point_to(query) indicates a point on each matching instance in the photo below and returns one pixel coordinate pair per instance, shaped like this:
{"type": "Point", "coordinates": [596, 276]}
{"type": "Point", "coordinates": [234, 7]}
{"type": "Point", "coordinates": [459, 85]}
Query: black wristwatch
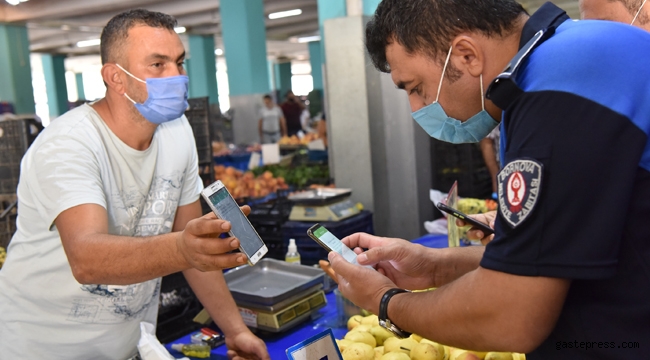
{"type": "Point", "coordinates": [383, 314]}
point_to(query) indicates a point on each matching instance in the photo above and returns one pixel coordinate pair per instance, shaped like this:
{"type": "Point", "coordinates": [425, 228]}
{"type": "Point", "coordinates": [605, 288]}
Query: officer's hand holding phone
{"type": "Point", "coordinates": [408, 265]}
{"type": "Point", "coordinates": [203, 249]}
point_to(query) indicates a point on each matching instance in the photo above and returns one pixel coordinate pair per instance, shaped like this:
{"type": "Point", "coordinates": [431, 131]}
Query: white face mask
{"type": "Point", "coordinates": [638, 12]}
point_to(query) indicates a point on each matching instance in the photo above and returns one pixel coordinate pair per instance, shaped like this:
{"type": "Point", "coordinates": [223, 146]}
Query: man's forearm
{"type": "Point", "coordinates": [212, 291]}
{"type": "Point", "coordinates": [456, 262]}
{"type": "Point", "coordinates": [122, 260]}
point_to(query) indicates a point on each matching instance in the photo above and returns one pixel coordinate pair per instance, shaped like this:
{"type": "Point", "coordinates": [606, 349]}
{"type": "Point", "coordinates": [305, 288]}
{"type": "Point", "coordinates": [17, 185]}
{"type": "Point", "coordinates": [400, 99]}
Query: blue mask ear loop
{"type": "Point", "coordinates": [638, 12]}
{"type": "Point", "coordinates": [133, 76]}
{"type": "Point", "coordinates": [444, 69]}
{"type": "Point", "coordinates": [442, 77]}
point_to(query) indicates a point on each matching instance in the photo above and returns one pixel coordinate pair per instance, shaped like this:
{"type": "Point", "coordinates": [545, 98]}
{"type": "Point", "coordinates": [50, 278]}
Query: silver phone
{"type": "Point", "coordinates": [226, 208]}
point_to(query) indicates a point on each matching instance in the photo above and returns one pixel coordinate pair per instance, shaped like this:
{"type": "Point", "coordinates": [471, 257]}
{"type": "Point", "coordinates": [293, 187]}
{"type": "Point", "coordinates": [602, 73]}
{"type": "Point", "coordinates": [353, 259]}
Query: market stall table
{"type": "Point", "coordinates": [326, 318]}
{"type": "Point", "coordinates": [277, 343]}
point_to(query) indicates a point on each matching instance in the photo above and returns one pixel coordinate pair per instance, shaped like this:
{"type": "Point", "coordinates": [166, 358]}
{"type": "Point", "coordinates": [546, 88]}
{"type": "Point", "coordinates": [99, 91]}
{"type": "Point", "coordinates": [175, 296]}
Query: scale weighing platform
{"type": "Point", "coordinates": [322, 205]}
{"type": "Point", "coordinates": [275, 296]}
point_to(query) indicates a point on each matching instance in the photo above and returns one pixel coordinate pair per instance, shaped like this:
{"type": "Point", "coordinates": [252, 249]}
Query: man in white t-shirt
{"type": "Point", "coordinates": [272, 124]}
{"type": "Point", "coordinates": [108, 200]}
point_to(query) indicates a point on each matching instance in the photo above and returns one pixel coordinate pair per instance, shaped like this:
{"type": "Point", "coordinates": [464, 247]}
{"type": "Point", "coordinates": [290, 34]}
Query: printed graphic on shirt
{"type": "Point", "coordinates": [519, 186]}
{"type": "Point", "coordinates": [136, 215]}
{"type": "Point", "coordinates": [114, 304]}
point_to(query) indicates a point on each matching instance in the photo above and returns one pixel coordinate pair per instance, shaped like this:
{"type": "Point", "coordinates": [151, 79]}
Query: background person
{"type": "Point", "coordinates": [292, 107]}
{"type": "Point", "coordinates": [109, 203]}
{"type": "Point", "coordinates": [272, 125]}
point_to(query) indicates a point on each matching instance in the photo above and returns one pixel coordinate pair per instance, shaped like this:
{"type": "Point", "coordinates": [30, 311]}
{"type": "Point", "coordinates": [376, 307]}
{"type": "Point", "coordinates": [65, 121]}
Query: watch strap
{"type": "Point", "coordinates": [383, 313]}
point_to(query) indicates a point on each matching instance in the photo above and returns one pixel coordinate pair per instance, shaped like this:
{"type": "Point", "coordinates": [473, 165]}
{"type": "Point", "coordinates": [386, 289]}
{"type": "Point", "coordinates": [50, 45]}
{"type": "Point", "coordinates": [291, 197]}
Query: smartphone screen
{"type": "Point", "coordinates": [241, 228]}
{"type": "Point", "coordinates": [332, 243]}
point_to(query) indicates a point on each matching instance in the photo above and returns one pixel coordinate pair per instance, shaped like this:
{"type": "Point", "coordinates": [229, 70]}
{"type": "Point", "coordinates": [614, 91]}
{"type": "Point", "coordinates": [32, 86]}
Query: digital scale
{"type": "Point", "coordinates": [273, 295]}
{"type": "Point", "coordinates": [284, 315]}
{"type": "Point", "coordinates": [325, 204]}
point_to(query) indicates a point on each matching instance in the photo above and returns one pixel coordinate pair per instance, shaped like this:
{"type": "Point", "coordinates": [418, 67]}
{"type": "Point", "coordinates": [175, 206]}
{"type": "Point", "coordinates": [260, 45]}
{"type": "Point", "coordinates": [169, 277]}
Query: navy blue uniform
{"type": "Point", "coordinates": [574, 191]}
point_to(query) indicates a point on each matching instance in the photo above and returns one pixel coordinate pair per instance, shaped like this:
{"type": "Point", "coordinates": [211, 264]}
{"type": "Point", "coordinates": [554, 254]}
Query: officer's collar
{"type": "Point", "coordinates": [545, 17]}
{"type": "Point", "coordinates": [504, 90]}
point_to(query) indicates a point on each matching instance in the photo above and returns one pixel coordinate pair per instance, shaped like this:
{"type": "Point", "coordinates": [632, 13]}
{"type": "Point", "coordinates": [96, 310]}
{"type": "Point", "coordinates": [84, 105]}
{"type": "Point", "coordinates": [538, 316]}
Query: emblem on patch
{"type": "Point", "coordinates": [519, 186]}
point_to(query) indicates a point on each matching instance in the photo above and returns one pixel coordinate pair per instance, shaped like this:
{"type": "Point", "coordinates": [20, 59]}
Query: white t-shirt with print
{"type": "Point", "coordinates": [44, 312]}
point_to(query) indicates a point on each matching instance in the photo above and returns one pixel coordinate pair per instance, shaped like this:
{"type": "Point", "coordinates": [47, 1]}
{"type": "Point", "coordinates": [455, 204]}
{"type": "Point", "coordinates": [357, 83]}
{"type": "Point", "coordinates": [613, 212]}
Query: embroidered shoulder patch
{"type": "Point", "coordinates": [519, 186]}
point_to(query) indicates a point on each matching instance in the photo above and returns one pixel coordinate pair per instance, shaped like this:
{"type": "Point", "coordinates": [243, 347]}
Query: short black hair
{"type": "Point", "coordinates": [429, 26]}
{"type": "Point", "coordinates": [117, 29]}
{"type": "Point", "coordinates": [268, 97]}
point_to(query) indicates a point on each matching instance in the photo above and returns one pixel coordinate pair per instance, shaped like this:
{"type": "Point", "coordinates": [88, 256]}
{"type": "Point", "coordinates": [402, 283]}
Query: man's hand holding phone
{"type": "Point", "coordinates": [477, 234]}
{"type": "Point", "coordinates": [203, 248]}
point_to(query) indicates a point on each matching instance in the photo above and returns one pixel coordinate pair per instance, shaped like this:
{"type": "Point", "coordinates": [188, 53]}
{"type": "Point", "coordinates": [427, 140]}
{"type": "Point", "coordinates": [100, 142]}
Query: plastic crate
{"type": "Point", "coordinates": [310, 251]}
{"type": "Point", "coordinates": [16, 135]}
{"type": "Point", "coordinates": [463, 163]}
{"type": "Point", "coordinates": [198, 116]}
{"type": "Point", "coordinates": [318, 156]}
{"type": "Point", "coordinates": [7, 219]}
{"type": "Point", "coordinates": [238, 161]}
{"type": "Point", "coordinates": [267, 219]}
{"type": "Point", "coordinates": [177, 308]}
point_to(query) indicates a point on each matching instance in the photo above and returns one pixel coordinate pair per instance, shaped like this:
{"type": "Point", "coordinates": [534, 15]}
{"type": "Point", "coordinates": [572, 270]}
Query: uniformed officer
{"type": "Point", "coordinates": [568, 273]}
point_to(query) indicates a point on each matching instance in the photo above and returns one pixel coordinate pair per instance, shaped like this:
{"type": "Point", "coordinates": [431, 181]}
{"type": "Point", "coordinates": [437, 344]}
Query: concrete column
{"type": "Point", "coordinates": [15, 69]}
{"type": "Point", "coordinates": [271, 69]}
{"type": "Point", "coordinates": [79, 80]}
{"type": "Point", "coordinates": [244, 38]}
{"type": "Point", "coordinates": [376, 147]}
{"type": "Point", "coordinates": [283, 77]}
{"type": "Point", "coordinates": [369, 7]}
{"type": "Point", "coordinates": [329, 9]}
{"type": "Point", "coordinates": [57, 90]}
{"type": "Point", "coordinates": [315, 59]}
{"type": "Point", "coordinates": [202, 68]}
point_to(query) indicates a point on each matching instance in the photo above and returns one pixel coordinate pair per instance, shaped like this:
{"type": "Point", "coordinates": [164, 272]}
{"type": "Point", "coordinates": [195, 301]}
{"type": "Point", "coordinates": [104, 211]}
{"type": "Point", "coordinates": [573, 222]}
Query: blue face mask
{"type": "Point", "coordinates": [437, 124]}
{"type": "Point", "coordinates": [167, 98]}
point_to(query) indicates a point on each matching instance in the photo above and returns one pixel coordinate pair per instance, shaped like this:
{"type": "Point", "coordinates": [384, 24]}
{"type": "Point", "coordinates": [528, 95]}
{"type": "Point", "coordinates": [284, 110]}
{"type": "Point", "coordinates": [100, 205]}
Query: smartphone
{"type": "Point", "coordinates": [469, 220]}
{"type": "Point", "coordinates": [226, 208]}
{"type": "Point", "coordinates": [331, 243]}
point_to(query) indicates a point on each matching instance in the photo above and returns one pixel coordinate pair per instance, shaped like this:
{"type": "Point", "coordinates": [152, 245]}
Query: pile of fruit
{"type": "Point", "coordinates": [297, 176]}
{"type": "Point", "coordinates": [366, 340]}
{"type": "Point", "coordinates": [294, 140]}
{"type": "Point", "coordinates": [241, 184]}
{"type": "Point", "coordinates": [3, 256]}
{"type": "Point", "coordinates": [220, 148]}
{"type": "Point", "coordinates": [476, 206]}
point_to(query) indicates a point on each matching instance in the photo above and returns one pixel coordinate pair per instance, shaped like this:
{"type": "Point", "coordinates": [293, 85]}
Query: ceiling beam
{"type": "Point", "coordinates": [59, 9]}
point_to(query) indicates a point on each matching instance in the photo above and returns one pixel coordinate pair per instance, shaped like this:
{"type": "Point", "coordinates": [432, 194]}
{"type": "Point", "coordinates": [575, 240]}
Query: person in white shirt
{"type": "Point", "coordinates": [108, 204]}
{"type": "Point", "coordinates": [272, 124]}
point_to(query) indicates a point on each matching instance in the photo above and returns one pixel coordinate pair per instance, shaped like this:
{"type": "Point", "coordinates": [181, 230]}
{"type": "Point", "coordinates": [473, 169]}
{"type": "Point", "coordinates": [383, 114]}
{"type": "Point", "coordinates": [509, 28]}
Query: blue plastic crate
{"type": "Point", "coordinates": [310, 251]}
{"type": "Point", "coordinates": [239, 161]}
{"type": "Point", "coordinates": [319, 156]}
